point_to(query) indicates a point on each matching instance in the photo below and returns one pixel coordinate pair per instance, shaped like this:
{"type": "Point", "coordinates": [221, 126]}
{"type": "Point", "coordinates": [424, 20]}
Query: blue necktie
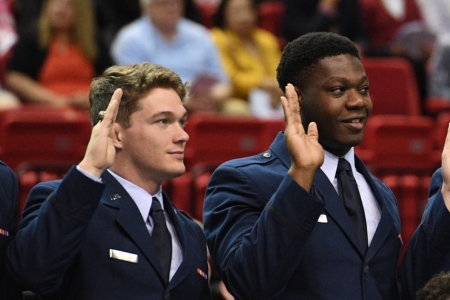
{"type": "Point", "coordinates": [349, 193]}
{"type": "Point", "coordinates": [161, 238]}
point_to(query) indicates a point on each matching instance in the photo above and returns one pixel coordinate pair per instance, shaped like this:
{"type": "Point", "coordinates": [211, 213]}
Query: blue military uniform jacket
{"type": "Point", "coordinates": [69, 230]}
{"type": "Point", "coordinates": [271, 239]}
{"type": "Point", "coordinates": [9, 197]}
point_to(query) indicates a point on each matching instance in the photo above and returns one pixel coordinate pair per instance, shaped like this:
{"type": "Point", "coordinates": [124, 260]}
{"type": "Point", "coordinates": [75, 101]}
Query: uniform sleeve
{"type": "Point", "coordinates": [257, 245]}
{"type": "Point", "coordinates": [52, 231]}
{"type": "Point", "coordinates": [428, 251]}
{"type": "Point", "coordinates": [9, 194]}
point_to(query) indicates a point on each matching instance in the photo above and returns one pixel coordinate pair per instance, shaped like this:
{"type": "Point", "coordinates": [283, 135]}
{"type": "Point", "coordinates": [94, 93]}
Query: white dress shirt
{"type": "Point", "coordinates": [371, 208]}
{"type": "Point", "coordinates": [143, 201]}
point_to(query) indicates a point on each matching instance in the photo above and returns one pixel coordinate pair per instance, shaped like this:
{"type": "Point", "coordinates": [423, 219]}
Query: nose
{"type": "Point", "coordinates": [181, 135]}
{"type": "Point", "coordinates": [356, 100]}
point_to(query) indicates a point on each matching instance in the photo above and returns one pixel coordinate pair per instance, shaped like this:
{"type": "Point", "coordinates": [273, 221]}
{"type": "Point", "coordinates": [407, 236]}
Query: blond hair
{"type": "Point", "coordinates": [136, 81]}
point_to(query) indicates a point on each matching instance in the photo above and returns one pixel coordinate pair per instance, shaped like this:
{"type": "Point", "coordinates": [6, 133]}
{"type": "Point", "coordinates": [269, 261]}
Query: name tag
{"type": "Point", "coordinates": [125, 256]}
{"type": "Point", "coordinates": [322, 219]}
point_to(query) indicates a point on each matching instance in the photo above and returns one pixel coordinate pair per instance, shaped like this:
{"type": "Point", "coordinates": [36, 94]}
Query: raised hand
{"type": "Point", "coordinates": [100, 152]}
{"type": "Point", "coordinates": [446, 170]}
{"type": "Point", "coordinates": [306, 152]}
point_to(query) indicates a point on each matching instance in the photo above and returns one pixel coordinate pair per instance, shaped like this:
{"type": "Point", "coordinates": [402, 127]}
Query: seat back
{"type": "Point", "coordinates": [270, 15]}
{"type": "Point", "coordinates": [398, 143]}
{"type": "Point", "coordinates": [393, 87]}
{"type": "Point", "coordinates": [215, 138]}
{"type": "Point", "coordinates": [43, 135]}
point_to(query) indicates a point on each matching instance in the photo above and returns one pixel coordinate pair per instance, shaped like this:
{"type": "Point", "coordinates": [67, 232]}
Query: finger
{"type": "Point", "coordinates": [446, 151]}
{"type": "Point", "coordinates": [288, 105]}
{"type": "Point", "coordinates": [286, 110]}
{"type": "Point", "coordinates": [292, 97]}
{"type": "Point", "coordinates": [113, 107]}
{"type": "Point", "coordinates": [447, 139]}
{"type": "Point", "coordinates": [313, 133]}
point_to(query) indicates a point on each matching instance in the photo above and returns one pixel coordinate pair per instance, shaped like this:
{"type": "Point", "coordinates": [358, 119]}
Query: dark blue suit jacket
{"type": "Point", "coordinates": [9, 197]}
{"type": "Point", "coordinates": [62, 250]}
{"type": "Point", "coordinates": [430, 240]}
{"type": "Point", "coordinates": [267, 241]}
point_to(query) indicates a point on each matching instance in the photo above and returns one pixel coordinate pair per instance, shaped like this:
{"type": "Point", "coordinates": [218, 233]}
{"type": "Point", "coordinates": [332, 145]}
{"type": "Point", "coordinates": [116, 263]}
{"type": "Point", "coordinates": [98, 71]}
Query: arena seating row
{"type": "Point", "coordinates": [401, 146]}
{"type": "Point", "coordinates": [40, 144]}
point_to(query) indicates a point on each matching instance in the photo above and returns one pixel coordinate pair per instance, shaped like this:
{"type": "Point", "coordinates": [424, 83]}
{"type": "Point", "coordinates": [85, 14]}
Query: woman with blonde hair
{"type": "Point", "coordinates": [54, 64]}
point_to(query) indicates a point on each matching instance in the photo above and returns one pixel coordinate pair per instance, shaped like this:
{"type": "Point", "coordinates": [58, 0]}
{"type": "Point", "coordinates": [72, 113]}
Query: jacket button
{"type": "Point", "coordinates": [167, 296]}
{"type": "Point", "coordinates": [366, 269]}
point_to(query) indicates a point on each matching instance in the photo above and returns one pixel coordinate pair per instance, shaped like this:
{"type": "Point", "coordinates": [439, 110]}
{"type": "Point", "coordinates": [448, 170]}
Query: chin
{"type": "Point", "coordinates": [178, 172]}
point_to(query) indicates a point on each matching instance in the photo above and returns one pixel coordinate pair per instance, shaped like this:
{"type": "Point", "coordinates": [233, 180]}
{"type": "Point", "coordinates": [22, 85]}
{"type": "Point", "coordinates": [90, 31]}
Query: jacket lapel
{"type": "Point", "coordinates": [333, 206]}
{"type": "Point", "coordinates": [184, 238]}
{"type": "Point", "coordinates": [130, 219]}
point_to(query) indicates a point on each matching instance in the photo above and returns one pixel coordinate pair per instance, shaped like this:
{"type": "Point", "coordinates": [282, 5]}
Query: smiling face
{"type": "Point", "coordinates": [336, 97]}
{"type": "Point", "coordinates": [151, 150]}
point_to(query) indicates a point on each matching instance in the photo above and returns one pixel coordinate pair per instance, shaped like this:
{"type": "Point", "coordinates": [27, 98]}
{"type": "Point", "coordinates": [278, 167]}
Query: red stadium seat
{"type": "Point", "coordinates": [393, 87]}
{"type": "Point", "coordinates": [207, 11]}
{"type": "Point", "coordinates": [36, 135]}
{"type": "Point", "coordinates": [436, 105]}
{"type": "Point", "coordinates": [179, 191]}
{"type": "Point", "coordinates": [398, 144]}
{"type": "Point", "coordinates": [31, 174]}
{"type": "Point", "coordinates": [199, 185]}
{"type": "Point", "coordinates": [270, 15]}
{"type": "Point", "coordinates": [216, 138]}
{"type": "Point", "coordinates": [411, 192]}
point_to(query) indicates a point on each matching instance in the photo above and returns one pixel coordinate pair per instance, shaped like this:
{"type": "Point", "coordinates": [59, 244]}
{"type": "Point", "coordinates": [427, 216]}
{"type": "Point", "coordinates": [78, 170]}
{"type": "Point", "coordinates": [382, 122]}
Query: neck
{"type": "Point", "coordinates": [133, 175]}
{"type": "Point", "coordinates": [63, 36]}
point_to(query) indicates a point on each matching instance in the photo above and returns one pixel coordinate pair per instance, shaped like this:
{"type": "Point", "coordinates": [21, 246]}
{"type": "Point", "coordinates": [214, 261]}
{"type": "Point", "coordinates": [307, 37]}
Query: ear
{"type": "Point", "coordinates": [299, 94]}
{"type": "Point", "coordinates": [117, 135]}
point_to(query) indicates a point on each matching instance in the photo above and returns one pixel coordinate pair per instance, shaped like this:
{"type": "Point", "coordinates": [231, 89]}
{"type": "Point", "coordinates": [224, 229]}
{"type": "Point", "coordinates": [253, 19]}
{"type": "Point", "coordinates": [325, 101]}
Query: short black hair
{"type": "Point", "coordinates": [301, 56]}
{"type": "Point", "coordinates": [437, 288]}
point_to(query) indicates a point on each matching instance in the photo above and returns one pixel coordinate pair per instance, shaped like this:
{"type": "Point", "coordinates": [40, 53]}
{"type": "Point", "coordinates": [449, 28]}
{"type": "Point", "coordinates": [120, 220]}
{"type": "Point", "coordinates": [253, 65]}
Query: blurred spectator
{"type": "Point", "coordinates": [437, 288]}
{"type": "Point", "coordinates": [54, 65]}
{"type": "Point", "coordinates": [111, 15]}
{"type": "Point", "coordinates": [163, 36]}
{"type": "Point", "coordinates": [8, 100]}
{"type": "Point", "coordinates": [436, 14]}
{"type": "Point", "coordinates": [386, 22]}
{"type": "Point", "coordinates": [8, 38]}
{"type": "Point", "coordinates": [250, 56]}
{"type": "Point", "coordinates": [338, 16]}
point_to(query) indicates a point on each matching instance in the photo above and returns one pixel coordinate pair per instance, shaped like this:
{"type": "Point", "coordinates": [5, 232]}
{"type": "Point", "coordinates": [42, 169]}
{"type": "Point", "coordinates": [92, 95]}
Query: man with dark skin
{"type": "Point", "coordinates": [275, 223]}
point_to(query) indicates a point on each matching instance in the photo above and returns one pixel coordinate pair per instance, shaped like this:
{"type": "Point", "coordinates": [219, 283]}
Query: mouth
{"type": "Point", "coordinates": [177, 154]}
{"type": "Point", "coordinates": [354, 123]}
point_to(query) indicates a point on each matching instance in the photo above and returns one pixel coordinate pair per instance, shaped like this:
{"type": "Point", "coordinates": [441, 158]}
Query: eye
{"type": "Point", "coordinates": [364, 89]}
{"type": "Point", "coordinates": [338, 90]}
{"type": "Point", "coordinates": [163, 121]}
{"type": "Point", "coordinates": [183, 122]}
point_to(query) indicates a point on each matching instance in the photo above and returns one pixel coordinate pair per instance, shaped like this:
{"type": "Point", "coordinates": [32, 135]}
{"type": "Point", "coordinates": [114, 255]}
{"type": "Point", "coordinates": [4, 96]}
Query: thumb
{"type": "Point", "coordinates": [313, 133]}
